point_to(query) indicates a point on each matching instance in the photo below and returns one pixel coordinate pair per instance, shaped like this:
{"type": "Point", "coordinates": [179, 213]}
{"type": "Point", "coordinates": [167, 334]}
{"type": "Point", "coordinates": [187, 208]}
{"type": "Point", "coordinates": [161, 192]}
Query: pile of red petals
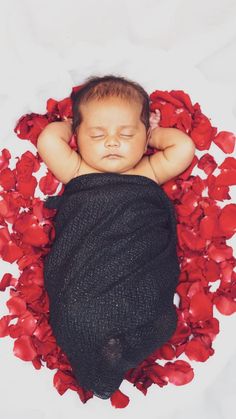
{"type": "Point", "coordinates": [205, 258]}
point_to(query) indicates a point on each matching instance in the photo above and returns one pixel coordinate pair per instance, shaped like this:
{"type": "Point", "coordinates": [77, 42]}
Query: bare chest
{"type": "Point", "coordinates": [143, 168]}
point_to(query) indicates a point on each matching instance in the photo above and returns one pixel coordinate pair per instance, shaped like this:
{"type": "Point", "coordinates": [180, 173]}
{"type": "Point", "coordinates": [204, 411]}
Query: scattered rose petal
{"type": "Point", "coordinates": [202, 229]}
{"type": "Point", "coordinates": [11, 252]}
{"type": "Point", "coordinates": [220, 252]}
{"type": "Point", "coordinates": [200, 307]}
{"type": "Point", "coordinates": [226, 141]}
{"type": "Point", "coordinates": [179, 373]}
{"type": "Point", "coordinates": [24, 348]}
{"type": "Point", "coordinates": [119, 400]}
{"type": "Point", "coordinates": [227, 219]}
{"type": "Point", "coordinates": [16, 305]}
{"type": "Point", "coordinates": [62, 381]}
{"type": "Point", "coordinates": [196, 350]}
{"type": "Point", "coordinates": [5, 281]}
{"type": "Point", "coordinates": [4, 322]}
{"type": "Point", "coordinates": [225, 305]}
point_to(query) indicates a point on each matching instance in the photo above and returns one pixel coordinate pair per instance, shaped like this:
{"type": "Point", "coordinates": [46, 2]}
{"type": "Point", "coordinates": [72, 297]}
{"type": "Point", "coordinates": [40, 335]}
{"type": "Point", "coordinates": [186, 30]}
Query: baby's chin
{"type": "Point", "coordinates": [115, 165]}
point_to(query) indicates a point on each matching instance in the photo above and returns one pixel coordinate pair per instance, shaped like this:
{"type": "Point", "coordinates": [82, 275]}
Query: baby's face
{"type": "Point", "coordinates": [112, 125]}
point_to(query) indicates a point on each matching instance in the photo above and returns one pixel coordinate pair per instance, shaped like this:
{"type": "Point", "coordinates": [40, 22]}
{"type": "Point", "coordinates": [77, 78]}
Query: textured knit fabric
{"type": "Point", "coordinates": [111, 275]}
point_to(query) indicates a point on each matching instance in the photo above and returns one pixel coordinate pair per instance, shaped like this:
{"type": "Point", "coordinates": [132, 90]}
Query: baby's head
{"type": "Point", "coordinates": [111, 115]}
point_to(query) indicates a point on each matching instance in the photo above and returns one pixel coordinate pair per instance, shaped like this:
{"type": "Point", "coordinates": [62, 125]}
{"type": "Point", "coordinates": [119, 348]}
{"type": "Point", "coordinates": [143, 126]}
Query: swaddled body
{"type": "Point", "coordinates": [111, 275]}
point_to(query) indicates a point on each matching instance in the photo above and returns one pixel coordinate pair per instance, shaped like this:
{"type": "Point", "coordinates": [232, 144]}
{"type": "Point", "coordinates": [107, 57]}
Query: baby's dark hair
{"type": "Point", "coordinates": [98, 88]}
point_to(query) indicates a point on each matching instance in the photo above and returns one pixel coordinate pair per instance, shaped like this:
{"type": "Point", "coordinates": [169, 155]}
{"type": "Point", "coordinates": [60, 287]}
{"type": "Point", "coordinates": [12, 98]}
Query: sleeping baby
{"type": "Point", "coordinates": [112, 269]}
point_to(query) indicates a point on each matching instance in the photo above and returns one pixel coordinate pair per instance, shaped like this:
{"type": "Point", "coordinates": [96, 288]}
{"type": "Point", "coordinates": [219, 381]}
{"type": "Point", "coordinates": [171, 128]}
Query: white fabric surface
{"type": "Point", "coordinates": [46, 48]}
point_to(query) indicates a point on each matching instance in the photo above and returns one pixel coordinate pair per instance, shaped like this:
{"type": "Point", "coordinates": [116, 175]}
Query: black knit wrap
{"type": "Point", "coordinates": [111, 275]}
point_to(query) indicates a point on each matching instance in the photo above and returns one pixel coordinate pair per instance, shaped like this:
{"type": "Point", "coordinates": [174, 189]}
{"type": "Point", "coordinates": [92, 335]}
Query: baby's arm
{"type": "Point", "coordinates": [177, 153]}
{"type": "Point", "coordinates": [53, 147]}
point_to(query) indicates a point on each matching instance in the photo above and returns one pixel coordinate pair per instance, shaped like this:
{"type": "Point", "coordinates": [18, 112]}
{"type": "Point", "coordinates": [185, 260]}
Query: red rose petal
{"type": "Point", "coordinates": [11, 252]}
{"type": "Point", "coordinates": [167, 351]}
{"type": "Point", "coordinates": [207, 163]}
{"type": "Point", "coordinates": [207, 226]}
{"type": "Point", "coordinates": [61, 381]}
{"type": "Point", "coordinates": [43, 331]}
{"type": "Point", "coordinates": [220, 253]}
{"type": "Point", "coordinates": [4, 322]}
{"type": "Point", "coordinates": [16, 306]}
{"type": "Point", "coordinates": [48, 184]}
{"type": "Point", "coordinates": [5, 281]}
{"type": "Point", "coordinates": [202, 133]}
{"type": "Point", "coordinates": [7, 179]}
{"type": "Point", "coordinates": [30, 126]}
{"type": "Point", "coordinates": [27, 187]}
{"type": "Point", "coordinates": [26, 325]}
{"type": "Point", "coordinates": [31, 292]}
{"type": "Point", "coordinates": [207, 275]}
{"type": "Point", "coordinates": [4, 159]}
{"type": "Point", "coordinates": [35, 236]}
{"type": "Point", "coordinates": [179, 373]}
{"type": "Point", "coordinates": [192, 240]}
{"type": "Point", "coordinates": [196, 350]}
{"type": "Point", "coordinates": [225, 141]}
{"type": "Point", "coordinates": [157, 373]}
{"type": "Point", "coordinates": [24, 348]}
{"type": "Point", "coordinates": [225, 305]}
{"type": "Point", "coordinates": [201, 307]}
{"type": "Point", "coordinates": [119, 400]}
{"type": "Point", "coordinates": [227, 219]}
{"type": "Point", "coordinates": [208, 327]}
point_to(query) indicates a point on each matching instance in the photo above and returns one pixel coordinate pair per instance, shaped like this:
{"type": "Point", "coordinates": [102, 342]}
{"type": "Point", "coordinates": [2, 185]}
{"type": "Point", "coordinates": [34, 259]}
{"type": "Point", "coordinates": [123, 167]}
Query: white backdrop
{"type": "Point", "coordinates": [46, 48]}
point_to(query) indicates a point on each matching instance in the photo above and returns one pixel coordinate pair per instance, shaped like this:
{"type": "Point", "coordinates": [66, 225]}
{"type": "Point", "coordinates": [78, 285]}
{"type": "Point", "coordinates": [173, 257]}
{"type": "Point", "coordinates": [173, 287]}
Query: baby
{"type": "Point", "coordinates": [112, 270]}
{"type": "Point", "coordinates": [111, 120]}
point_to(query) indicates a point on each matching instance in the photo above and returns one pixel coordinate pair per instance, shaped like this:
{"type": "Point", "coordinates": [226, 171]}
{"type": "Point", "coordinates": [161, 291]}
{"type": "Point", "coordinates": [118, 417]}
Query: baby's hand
{"type": "Point", "coordinates": [154, 119]}
{"type": "Point", "coordinates": [67, 121]}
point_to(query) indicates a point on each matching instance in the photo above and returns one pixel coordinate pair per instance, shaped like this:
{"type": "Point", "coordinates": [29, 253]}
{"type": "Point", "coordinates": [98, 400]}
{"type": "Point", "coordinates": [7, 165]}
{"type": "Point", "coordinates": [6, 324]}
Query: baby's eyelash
{"type": "Point", "coordinates": [123, 135]}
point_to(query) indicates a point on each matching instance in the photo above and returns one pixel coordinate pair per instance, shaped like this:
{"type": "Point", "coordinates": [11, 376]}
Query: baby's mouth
{"type": "Point", "coordinates": [113, 156]}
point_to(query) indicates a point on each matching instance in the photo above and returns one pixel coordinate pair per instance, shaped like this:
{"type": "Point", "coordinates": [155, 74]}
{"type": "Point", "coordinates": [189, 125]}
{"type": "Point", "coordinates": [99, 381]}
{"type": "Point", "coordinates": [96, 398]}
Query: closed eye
{"type": "Point", "coordinates": [123, 135]}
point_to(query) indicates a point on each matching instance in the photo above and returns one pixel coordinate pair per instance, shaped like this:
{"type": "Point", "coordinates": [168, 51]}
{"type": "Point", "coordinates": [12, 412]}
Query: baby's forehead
{"type": "Point", "coordinates": [96, 116]}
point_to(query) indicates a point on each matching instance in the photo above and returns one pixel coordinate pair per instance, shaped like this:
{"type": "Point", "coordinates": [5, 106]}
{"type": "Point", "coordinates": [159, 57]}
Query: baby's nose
{"type": "Point", "coordinates": [113, 142]}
